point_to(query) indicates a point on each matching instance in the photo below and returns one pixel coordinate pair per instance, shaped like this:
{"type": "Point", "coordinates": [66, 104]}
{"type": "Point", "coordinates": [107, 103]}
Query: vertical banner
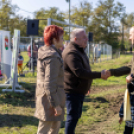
{"type": "Point", "coordinates": [6, 53]}
{"type": "Point", "coordinates": [14, 75]}
{"type": "Point", "coordinates": [6, 47]}
{"type": "Point", "coordinates": [15, 58]}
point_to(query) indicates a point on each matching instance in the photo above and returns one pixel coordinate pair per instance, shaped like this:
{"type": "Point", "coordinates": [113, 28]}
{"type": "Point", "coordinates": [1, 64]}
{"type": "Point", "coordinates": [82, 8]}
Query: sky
{"type": "Point", "coordinates": [34, 5]}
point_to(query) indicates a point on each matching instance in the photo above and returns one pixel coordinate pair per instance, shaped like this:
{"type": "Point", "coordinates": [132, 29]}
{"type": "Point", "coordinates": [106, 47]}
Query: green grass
{"type": "Point", "coordinates": [100, 109]}
{"type": "Point", "coordinates": [114, 63]}
{"type": "Point", "coordinates": [16, 112]}
{"type": "Point", "coordinates": [111, 64]}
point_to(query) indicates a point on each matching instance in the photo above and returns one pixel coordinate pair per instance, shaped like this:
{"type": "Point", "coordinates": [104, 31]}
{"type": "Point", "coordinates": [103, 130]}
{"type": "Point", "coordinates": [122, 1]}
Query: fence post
{"type": "Point", "coordinates": [93, 53]}
{"type": "Point", "coordinates": [111, 52]}
{"type": "Point", "coordinates": [49, 21]}
{"type": "Point", "coordinates": [100, 51]}
{"type": "Point", "coordinates": [31, 55]}
{"type": "Point", "coordinates": [107, 50]}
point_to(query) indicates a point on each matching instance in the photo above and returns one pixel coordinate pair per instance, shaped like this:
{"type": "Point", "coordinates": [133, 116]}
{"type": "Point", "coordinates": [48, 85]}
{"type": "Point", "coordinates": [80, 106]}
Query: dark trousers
{"type": "Point", "coordinates": [74, 104]}
{"type": "Point", "coordinates": [128, 130]}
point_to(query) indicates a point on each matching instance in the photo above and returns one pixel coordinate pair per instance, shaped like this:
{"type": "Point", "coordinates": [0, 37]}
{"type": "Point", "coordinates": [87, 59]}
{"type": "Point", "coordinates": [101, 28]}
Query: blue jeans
{"type": "Point", "coordinates": [74, 104]}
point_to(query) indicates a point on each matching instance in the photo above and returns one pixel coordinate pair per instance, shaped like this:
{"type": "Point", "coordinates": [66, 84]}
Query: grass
{"type": "Point", "coordinates": [111, 64]}
{"type": "Point", "coordinates": [16, 112]}
{"type": "Point", "coordinates": [100, 109]}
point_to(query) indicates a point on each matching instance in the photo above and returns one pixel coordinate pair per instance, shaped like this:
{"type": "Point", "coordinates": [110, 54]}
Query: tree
{"type": "Point", "coordinates": [103, 22]}
{"type": "Point", "coordinates": [52, 12]}
{"type": "Point", "coordinates": [81, 14]}
{"type": "Point", "coordinates": [127, 22]}
{"type": "Point", "coordinates": [8, 18]}
{"type": "Point", "coordinates": [6, 11]}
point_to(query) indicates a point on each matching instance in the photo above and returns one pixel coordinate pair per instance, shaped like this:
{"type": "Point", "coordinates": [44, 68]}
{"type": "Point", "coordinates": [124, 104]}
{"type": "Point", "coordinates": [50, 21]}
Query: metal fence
{"type": "Point", "coordinates": [28, 48]}
{"type": "Point", "coordinates": [28, 52]}
{"type": "Point", "coordinates": [99, 52]}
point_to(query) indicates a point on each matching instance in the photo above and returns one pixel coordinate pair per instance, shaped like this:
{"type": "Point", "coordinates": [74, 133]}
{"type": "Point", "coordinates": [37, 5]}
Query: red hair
{"type": "Point", "coordinates": [51, 32]}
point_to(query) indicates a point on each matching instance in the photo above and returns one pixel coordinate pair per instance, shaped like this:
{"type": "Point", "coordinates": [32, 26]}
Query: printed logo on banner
{"type": "Point", "coordinates": [6, 43]}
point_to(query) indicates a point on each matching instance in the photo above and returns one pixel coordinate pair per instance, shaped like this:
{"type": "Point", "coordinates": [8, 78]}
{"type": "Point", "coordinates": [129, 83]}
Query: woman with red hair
{"type": "Point", "coordinates": [50, 96]}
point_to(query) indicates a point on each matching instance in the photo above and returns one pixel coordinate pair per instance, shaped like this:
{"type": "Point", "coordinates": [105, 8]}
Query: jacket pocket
{"type": "Point", "coordinates": [40, 90]}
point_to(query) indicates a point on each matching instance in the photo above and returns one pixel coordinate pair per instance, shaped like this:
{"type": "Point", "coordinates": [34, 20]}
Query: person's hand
{"type": "Point", "coordinates": [104, 75]}
{"type": "Point", "coordinates": [120, 120]}
{"type": "Point", "coordinates": [58, 111]}
{"type": "Point", "coordinates": [108, 73]}
{"type": "Point", "coordinates": [129, 79]}
{"type": "Point", "coordinates": [88, 92]}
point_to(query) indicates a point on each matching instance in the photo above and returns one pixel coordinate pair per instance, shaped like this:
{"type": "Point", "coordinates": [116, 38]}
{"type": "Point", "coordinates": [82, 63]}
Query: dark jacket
{"type": "Point", "coordinates": [120, 71]}
{"type": "Point", "coordinates": [77, 72]}
{"type": "Point", "coordinates": [129, 68]}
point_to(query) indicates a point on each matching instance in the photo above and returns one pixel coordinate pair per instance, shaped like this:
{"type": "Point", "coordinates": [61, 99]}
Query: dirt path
{"type": "Point", "coordinates": [95, 89]}
{"type": "Point", "coordinates": [106, 127]}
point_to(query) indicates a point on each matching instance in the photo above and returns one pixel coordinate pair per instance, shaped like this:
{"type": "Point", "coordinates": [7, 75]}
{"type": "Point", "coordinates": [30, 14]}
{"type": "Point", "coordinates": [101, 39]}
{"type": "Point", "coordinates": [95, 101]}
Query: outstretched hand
{"type": "Point", "coordinates": [108, 73]}
{"type": "Point", "coordinates": [105, 74]}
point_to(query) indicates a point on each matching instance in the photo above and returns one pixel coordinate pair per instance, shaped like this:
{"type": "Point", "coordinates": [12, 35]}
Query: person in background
{"type": "Point", "coordinates": [63, 46]}
{"type": "Point", "coordinates": [66, 43]}
{"type": "Point", "coordinates": [32, 56]}
{"type": "Point", "coordinates": [96, 53]}
{"type": "Point", "coordinates": [50, 95]}
{"type": "Point", "coordinates": [40, 43]}
{"type": "Point", "coordinates": [20, 64]}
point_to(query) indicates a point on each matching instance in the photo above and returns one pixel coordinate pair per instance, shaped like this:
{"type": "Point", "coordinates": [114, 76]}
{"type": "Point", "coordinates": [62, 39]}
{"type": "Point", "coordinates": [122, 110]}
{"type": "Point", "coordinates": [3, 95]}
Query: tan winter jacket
{"type": "Point", "coordinates": [49, 90]}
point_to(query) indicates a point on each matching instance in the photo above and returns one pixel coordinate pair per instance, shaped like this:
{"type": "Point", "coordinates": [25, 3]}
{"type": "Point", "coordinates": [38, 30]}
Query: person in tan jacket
{"type": "Point", "coordinates": [50, 96]}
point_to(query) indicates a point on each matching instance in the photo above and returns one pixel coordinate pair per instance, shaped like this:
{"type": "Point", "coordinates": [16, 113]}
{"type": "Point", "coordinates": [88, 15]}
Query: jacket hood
{"type": "Point", "coordinates": [47, 51]}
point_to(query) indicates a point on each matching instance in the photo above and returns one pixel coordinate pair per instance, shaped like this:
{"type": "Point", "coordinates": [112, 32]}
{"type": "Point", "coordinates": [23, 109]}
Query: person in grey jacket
{"type": "Point", "coordinates": [50, 96]}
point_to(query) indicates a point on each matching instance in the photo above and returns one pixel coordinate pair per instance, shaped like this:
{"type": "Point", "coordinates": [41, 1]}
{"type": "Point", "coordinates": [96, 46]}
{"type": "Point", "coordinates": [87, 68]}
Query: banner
{"type": "Point", "coordinates": [5, 53]}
